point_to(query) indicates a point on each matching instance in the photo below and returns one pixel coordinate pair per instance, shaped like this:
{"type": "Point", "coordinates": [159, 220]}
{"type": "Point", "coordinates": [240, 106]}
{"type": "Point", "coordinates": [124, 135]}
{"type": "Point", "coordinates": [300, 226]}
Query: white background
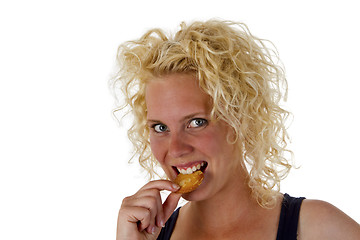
{"type": "Point", "coordinates": [64, 171]}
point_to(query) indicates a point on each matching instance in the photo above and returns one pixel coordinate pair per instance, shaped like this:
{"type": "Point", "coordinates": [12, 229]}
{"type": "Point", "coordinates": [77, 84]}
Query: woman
{"type": "Point", "coordinates": [208, 98]}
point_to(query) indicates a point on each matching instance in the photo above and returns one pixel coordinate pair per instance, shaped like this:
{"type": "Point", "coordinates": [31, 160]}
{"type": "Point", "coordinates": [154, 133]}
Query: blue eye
{"type": "Point", "coordinates": [159, 128]}
{"type": "Point", "coordinates": [197, 122]}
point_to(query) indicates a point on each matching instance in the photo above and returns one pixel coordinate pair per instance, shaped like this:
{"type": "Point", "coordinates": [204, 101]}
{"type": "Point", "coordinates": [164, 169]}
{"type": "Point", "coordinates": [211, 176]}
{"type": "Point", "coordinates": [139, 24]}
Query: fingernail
{"type": "Point", "coordinates": [153, 230]}
{"type": "Point", "coordinates": [175, 186]}
{"type": "Point", "coordinates": [162, 223]}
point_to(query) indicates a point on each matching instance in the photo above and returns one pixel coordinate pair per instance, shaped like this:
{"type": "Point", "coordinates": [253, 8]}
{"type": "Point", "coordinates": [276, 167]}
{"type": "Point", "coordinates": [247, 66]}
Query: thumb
{"type": "Point", "coordinates": [170, 204]}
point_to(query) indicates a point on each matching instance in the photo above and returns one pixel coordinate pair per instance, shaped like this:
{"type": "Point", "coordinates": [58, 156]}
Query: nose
{"type": "Point", "coordinates": [179, 146]}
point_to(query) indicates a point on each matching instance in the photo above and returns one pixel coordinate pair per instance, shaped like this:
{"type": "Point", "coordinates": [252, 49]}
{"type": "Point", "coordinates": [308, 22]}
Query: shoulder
{"type": "Point", "coordinates": [321, 220]}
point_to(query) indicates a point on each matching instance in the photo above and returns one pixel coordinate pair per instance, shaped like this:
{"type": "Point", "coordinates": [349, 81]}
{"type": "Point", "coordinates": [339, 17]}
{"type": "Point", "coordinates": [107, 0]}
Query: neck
{"type": "Point", "coordinates": [230, 208]}
{"type": "Point", "coordinates": [230, 214]}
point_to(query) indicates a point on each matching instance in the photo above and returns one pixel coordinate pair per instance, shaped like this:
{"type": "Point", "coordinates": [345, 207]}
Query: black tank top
{"type": "Point", "coordinates": [288, 223]}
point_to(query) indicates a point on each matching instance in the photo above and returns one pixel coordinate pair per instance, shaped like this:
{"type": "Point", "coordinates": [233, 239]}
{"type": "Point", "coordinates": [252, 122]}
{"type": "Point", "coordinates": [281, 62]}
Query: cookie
{"type": "Point", "coordinates": [189, 182]}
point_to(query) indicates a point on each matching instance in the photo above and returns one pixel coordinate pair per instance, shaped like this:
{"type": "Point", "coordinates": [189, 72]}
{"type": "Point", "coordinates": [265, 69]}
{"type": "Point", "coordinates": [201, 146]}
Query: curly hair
{"type": "Point", "coordinates": [240, 72]}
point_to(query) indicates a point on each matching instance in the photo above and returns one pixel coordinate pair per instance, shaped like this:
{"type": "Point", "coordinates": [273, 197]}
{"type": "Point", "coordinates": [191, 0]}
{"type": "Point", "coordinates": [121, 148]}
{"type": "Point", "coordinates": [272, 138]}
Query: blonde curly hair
{"type": "Point", "coordinates": [241, 74]}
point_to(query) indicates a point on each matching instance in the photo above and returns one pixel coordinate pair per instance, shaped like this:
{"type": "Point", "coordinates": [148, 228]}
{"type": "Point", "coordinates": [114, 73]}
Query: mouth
{"type": "Point", "coordinates": [191, 168]}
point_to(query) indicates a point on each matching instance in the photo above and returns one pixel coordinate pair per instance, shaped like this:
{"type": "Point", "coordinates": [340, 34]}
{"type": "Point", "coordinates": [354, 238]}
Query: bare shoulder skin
{"type": "Point", "coordinates": [321, 220]}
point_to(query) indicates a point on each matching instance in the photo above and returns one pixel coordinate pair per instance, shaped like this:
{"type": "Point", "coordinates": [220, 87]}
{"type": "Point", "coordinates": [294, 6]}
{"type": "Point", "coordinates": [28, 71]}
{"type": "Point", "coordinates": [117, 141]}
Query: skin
{"type": "Point", "coordinates": [321, 220]}
{"type": "Point", "coordinates": [183, 134]}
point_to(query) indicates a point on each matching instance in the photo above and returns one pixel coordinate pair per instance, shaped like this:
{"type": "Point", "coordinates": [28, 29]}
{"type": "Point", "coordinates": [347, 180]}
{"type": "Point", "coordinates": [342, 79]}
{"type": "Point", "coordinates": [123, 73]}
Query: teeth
{"type": "Point", "coordinates": [190, 170]}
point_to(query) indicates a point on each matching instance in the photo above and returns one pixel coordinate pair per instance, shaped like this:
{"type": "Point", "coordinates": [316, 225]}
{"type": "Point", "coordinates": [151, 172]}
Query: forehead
{"type": "Point", "coordinates": [175, 95]}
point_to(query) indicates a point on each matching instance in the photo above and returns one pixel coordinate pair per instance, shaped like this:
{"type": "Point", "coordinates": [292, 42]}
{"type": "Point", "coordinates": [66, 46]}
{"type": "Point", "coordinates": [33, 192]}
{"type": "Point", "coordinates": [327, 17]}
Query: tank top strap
{"type": "Point", "coordinates": [289, 218]}
{"type": "Point", "coordinates": [167, 230]}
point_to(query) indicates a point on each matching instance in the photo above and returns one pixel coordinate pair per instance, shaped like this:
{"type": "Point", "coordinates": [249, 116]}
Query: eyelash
{"type": "Point", "coordinates": [204, 122]}
{"type": "Point", "coordinates": [156, 125]}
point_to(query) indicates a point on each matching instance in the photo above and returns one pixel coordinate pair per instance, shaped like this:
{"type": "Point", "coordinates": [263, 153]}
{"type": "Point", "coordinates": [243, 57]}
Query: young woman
{"type": "Point", "coordinates": [208, 99]}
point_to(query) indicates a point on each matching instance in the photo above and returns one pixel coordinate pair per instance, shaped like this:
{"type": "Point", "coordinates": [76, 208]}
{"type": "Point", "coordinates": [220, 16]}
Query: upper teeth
{"type": "Point", "coordinates": [190, 170]}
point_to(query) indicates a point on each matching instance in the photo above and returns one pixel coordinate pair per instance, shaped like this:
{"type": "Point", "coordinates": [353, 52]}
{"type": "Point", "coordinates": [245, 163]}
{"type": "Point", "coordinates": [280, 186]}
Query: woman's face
{"type": "Point", "coordinates": [182, 134]}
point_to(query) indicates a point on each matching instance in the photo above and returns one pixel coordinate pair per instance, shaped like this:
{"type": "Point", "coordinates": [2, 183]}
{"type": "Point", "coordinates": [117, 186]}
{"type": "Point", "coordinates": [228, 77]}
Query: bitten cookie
{"type": "Point", "coordinates": [189, 182]}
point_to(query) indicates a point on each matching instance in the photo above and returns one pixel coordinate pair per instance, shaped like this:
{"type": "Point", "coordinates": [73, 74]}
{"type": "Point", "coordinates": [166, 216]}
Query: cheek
{"type": "Point", "coordinates": [215, 144]}
{"type": "Point", "coordinates": [157, 149]}
{"type": "Point", "coordinates": [210, 144]}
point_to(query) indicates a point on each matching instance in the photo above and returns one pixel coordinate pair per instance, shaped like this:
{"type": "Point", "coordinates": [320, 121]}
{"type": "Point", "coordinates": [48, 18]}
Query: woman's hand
{"type": "Point", "coordinates": [142, 215]}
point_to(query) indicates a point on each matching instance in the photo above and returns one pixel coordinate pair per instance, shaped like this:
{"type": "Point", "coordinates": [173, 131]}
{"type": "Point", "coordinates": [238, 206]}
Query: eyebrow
{"type": "Point", "coordinates": [190, 116]}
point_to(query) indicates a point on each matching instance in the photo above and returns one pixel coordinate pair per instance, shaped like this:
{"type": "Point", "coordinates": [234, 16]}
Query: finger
{"type": "Point", "coordinates": [159, 218]}
{"type": "Point", "coordinates": [151, 203]}
{"type": "Point", "coordinates": [151, 199]}
{"type": "Point", "coordinates": [139, 217]}
{"type": "Point", "coordinates": [161, 185]}
{"type": "Point", "coordinates": [159, 221]}
{"type": "Point", "coordinates": [170, 204]}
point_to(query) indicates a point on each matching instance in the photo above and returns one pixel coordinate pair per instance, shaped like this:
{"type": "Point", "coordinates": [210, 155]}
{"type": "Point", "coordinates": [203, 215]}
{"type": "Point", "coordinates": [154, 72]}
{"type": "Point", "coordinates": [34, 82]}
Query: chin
{"type": "Point", "coordinates": [196, 195]}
